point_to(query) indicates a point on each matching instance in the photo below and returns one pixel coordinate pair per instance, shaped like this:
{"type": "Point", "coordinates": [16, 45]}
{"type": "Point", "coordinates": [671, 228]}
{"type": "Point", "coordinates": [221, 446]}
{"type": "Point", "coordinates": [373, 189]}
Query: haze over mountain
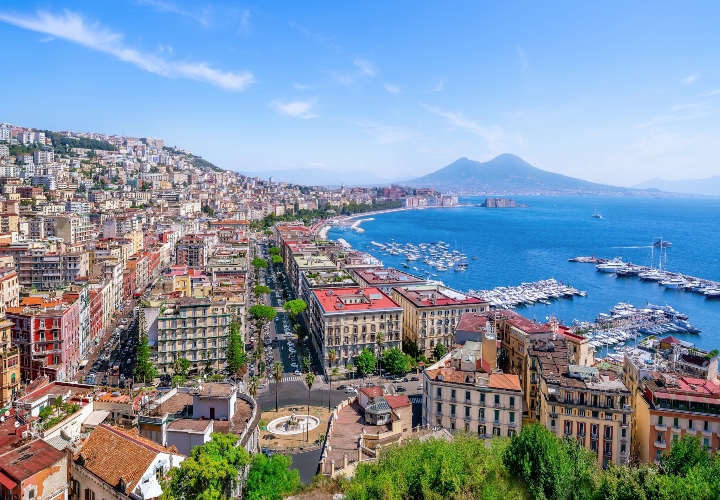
{"type": "Point", "coordinates": [508, 174]}
{"type": "Point", "coordinates": [708, 187]}
{"type": "Point", "coordinates": [322, 177]}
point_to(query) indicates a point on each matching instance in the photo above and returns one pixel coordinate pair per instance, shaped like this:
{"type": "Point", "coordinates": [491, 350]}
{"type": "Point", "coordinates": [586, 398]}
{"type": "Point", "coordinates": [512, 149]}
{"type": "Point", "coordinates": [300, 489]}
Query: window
{"type": "Point", "coordinates": [608, 432]}
{"type": "Point", "coordinates": [512, 417]}
{"type": "Point", "coordinates": [482, 398]}
{"type": "Point", "coordinates": [690, 424]}
{"type": "Point", "coordinates": [452, 410]}
{"type": "Point", "coordinates": [467, 411]}
{"type": "Point", "coordinates": [552, 423]}
{"type": "Point", "coordinates": [581, 413]}
{"type": "Point", "coordinates": [497, 400]}
{"type": "Point", "coordinates": [439, 392]}
{"type": "Point", "coordinates": [467, 395]}
{"type": "Point", "coordinates": [481, 430]}
{"type": "Point", "coordinates": [452, 393]}
{"type": "Point", "coordinates": [568, 427]}
{"type": "Point", "coordinates": [496, 431]}
{"type": "Point", "coordinates": [481, 414]}
{"type": "Point", "coordinates": [439, 408]}
{"type": "Point", "coordinates": [512, 401]}
{"type": "Point", "coordinates": [623, 432]}
{"type": "Point", "coordinates": [497, 416]}
{"type": "Point", "coordinates": [706, 424]}
{"type": "Point", "coordinates": [568, 411]}
{"type": "Point", "coordinates": [676, 422]}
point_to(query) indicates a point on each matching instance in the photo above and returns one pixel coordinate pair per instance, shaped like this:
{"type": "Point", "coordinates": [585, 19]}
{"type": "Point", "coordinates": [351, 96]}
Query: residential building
{"type": "Point", "coordinates": [9, 289]}
{"type": "Point", "coordinates": [585, 403]}
{"type": "Point", "coordinates": [432, 311]}
{"type": "Point", "coordinates": [34, 470]}
{"type": "Point", "coordinates": [349, 320]}
{"type": "Point", "coordinates": [9, 364]}
{"type": "Point", "coordinates": [460, 394]}
{"type": "Point", "coordinates": [312, 280]}
{"type": "Point", "coordinates": [386, 278]}
{"type": "Point", "coordinates": [43, 269]}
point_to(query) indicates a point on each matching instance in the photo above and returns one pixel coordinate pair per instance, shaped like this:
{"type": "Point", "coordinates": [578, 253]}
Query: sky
{"type": "Point", "coordinates": [615, 92]}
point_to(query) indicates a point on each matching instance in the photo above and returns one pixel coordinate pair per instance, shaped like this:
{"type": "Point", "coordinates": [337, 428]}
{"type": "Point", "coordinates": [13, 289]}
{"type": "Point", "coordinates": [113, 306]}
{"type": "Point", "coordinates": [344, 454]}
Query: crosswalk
{"type": "Point", "coordinates": [289, 378]}
{"type": "Point", "coordinates": [415, 399]}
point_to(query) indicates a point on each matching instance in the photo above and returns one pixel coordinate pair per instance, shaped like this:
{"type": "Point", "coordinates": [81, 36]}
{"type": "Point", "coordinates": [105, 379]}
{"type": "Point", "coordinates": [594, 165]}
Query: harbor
{"type": "Point", "coordinates": [437, 256]}
{"type": "Point", "coordinates": [542, 292]}
{"type": "Point", "coordinates": [664, 278]}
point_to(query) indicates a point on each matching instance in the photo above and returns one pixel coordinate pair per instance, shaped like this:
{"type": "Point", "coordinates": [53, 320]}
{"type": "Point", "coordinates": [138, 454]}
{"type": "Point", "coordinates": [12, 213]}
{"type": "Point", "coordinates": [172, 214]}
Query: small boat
{"type": "Point", "coordinates": [595, 214]}
{"type": "Point", "coordinates": [475, 257]}
{"type": "Point", "coordinates": [662, 244]}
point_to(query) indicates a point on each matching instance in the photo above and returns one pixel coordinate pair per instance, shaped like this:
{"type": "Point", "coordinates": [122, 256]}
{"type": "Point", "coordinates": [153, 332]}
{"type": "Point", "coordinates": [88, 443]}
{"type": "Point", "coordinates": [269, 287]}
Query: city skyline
{"type": "Point", "coordinates": [613, 94]}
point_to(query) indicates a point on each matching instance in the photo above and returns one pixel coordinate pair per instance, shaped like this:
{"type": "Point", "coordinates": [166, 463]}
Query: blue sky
{"type": "Point", "coordinates": [614, 92]}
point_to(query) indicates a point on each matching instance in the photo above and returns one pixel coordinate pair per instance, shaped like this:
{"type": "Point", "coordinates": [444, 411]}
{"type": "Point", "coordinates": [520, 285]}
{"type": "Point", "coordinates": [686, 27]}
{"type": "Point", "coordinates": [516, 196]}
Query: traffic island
{"type": "Point", "coordinates": [287, 429]}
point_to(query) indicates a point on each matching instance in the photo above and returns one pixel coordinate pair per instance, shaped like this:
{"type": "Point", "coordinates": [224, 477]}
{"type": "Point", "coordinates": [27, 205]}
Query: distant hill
{"type": "Point", "coordinates": [708, 187]}
{"type": "Point", "coordinates": [509, 174]}
{"type": "Point", "coordinates": [321, 177]}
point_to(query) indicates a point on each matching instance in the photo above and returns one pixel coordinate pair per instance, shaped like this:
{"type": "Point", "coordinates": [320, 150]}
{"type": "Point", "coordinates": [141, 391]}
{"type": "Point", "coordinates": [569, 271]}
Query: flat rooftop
{"type": "Point", "coordinates": [387, 276]}
{"type": "Point", "coordinates": [338, 300]}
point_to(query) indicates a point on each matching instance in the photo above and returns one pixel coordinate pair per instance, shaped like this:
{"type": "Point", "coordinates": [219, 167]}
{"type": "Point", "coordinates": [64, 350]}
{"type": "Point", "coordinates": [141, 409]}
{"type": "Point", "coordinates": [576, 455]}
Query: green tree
{"type": "Point", "coordinates": [685, 454]}
{"type": "Point", "coordinates": [411, 349]}
{"type": "Point", "coordinates": [181, 366]}
{"type": "Point", "coordinates": [276, 259]}
{"type": "Point", "coordinates": [439, 351]}
{"type": "Point", "coordinates": [274, 250]}
{"type": "Point", "coordinates": [253, 386]}
{"type": "Point", "coordinates": [366, 361]}
{"type": "Point", "coordinates": [380, 341]}
{"type": "Point", "coordinates": [258, 264]}
{"type": "Point", "coordinates": [262, 314]}
{"type": "Point", "coordinates": [145, 370]}
{"type": "Point", "coordinates": [277, 375]}
{"type": "Point", "coordinates": [261, 290]}
{"type": "Point", "coordinates": [271, 478]}
{"type": "Point", "coordinates": [395, 361]}
{"type": "Point", "coordinates": [210, 472]}
{"type": "Point", "coordinates": [309, 381]}
{"type": "Point", "coordinates": [295, 307]}
{"type": "Point", "coordinates": [236, 357]}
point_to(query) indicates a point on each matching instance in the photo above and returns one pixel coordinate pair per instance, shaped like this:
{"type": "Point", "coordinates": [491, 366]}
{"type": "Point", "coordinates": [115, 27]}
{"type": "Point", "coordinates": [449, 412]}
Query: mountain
{"type": "Point", "coordinates": [509, 174]}
{"type": "Point", "coordinates": [708, 187]}
{"type": "Point", "coordinates": [321, 177]}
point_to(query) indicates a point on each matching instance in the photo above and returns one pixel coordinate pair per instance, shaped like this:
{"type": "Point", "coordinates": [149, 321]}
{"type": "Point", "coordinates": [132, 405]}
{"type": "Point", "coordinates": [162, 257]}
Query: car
{"type": "Point", "coordinates": [297, 372]}
{"type": "Point", "coordinates": [398, 380]}
{"type": "Point", "coordinates": [400, 388]}
{"type": "Point", "coordinates": [406, 380]}
{"type": "Point", "coordinates": [341, 387]}
{"type": "Point", "coordinates": [351, 390]}
{"type": "Point", "coordinates": [414, 379]}
{"type": "Point", "coordinates": [262, 386]}
{"type": "Point", "coordinates": [420, 387]}
{"type": "Point", "coordinates": [294, 365]}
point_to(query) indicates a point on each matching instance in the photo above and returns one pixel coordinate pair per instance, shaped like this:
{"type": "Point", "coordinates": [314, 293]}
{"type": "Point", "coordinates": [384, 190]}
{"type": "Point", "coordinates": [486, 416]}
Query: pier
{"type": "Point", "coordinates": [676, 281]}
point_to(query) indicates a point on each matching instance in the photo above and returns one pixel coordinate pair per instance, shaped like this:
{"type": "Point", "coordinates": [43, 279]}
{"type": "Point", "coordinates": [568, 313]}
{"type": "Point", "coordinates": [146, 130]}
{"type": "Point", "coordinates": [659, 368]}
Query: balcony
{"type": "Point", "coordinates": [453, 399]}
{"type": "Point", "coordinates": [439, 413]}
{"type": "Point", "coordinates": [496, 422]}
{"type": "Point", "coordinates": [594, 437]}
{"type": "Point", "coordinates": [707, 432]}
{"type": "Point", "coordinates": [581, 434]}
{"type": "Point", "coordinates": [608, 416]}
{"type": "Point", "coordinates": [661, 427]}
{"type": "Point", "coordinates": [691, 431]}
{"type": "Point", "coordinates": [661, 444]}
{"type": "Point", "coordinates": [625, 424]}
{"type": "Point", "coordinates": [481, 419]}
{"type": "Point", "coordinates": [468, 417]}
{"type": "Point", "coordinates": [608, 453]}
{"type": "Point", "coordinates": [553, 415]}
{"type": "Point", "coordinates": [568, 432]}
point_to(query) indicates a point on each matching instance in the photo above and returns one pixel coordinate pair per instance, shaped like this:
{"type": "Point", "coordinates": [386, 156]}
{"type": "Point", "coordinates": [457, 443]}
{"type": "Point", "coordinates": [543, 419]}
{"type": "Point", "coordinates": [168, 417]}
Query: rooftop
{"type": "Point", "coordinates": [387, 276]}
{"type": "Point", "coordinates": [338, 277]}
{"type": "Point", "coordinates": [434, 295]}
{"type": "Point", "coordinates": [354, 299]}
{"type": "Point", "coordinates": [25, 461]}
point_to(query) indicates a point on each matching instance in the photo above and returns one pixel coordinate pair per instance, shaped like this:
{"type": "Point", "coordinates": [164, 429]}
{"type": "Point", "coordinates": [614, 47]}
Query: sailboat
{"type": "Point", "coordinates": [595, 214]}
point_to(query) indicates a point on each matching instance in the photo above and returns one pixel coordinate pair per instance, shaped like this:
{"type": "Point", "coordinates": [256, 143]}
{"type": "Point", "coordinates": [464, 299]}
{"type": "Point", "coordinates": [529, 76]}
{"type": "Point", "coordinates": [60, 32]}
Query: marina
{"type": "Point", "coordinates": [434, 255]}
{"type": "Point", "coordinates": [527, 294]}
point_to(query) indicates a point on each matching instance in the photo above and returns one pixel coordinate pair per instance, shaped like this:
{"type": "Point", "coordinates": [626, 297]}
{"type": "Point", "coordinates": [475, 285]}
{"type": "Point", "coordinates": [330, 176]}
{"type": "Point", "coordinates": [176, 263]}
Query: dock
{"type": "Point", "coordinates": [542, 291]}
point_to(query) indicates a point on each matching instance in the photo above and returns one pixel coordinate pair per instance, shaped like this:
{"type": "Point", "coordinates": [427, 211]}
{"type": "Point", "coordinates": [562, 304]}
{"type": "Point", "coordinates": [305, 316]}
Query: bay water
{"type": "Point", "coordinates": [516, 245]}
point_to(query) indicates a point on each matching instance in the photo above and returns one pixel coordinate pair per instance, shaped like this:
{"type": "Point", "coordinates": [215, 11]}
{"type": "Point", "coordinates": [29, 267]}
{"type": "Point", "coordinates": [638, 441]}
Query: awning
{"type": "Point", "coordinates": [7, 482]}
{"type": "Point", "coordinates": [686, 398]}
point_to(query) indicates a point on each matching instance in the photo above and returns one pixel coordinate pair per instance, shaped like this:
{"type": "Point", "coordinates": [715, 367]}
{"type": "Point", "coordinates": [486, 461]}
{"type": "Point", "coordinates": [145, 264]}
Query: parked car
{"type": "Point", "coordinates": [414, 379]}
{"type": "Point", "coordinates": [351, 390]}
{"type": "Point", "coordinates": [341, 387]}
{"type": "Point", "coordinates": [400, 388]}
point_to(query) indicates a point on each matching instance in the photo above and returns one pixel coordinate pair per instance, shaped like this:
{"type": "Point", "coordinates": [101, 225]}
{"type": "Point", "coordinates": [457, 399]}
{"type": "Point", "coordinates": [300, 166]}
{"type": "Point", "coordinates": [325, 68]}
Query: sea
{"type": "Point", "coordinates": [518, 245]}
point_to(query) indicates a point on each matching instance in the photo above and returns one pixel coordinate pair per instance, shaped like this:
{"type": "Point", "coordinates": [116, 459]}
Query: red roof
{"type": "Point", "coordinates": [670, 340]}
{"type": "Point", "coordinates": [398, 401]}
{"type": "Point", "coordinates": [338, 300]}
{"type": "Point", "coordinates": [372, 392]}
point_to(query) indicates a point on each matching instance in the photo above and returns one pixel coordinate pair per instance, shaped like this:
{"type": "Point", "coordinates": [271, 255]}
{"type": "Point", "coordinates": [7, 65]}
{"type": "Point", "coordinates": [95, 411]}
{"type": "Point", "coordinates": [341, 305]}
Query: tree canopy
{"type": "Point", "coordinates": [395, 361]}
{"type": "Point", "coordinates": [439, 351]}
{"type": "Point", "coordinates": [274, 250]}
{"type": "Point", "coordinates": [210, 472]}
{"type": "Point", "coordinates": [145, 370]}
{"type": "Point", "coordinates": [262, 313]}
{"type": "Point", "coordinates": [270, 478]}
{"type": "Point", "coordinates": [366, 361]}
{"type": "Point", "coordinates": [295, 307]}
{"type": "Point", "coordinates": [261, 290]}
{"type": "Point", "coordinates": [237, 358]}
{"type": "Point", "coordinates": [259, 263]}
{"type": "Point", "coordinates": [276, 259]}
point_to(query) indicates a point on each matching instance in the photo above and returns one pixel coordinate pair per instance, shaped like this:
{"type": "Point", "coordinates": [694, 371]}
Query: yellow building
{"type": "Point", "coordinates": [9, 364]}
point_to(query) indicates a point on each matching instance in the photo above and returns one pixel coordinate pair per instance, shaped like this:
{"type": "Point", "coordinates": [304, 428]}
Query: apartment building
{"type": "Point", "coordinates": [46, 333]}
{"type": "Point", "coordinates": [671, 405]}
{"type": "Point", "coordinates": [45, 270]}
{"type": "Point", "coordinates": [459, 394]}
{"type": "Point", "coordinates": [432, 312]}
{"type": "Point", "coordinates": [9, 363]}
{"type": "Point", "coordinates": [314, 280]}
{"type": "Point", "coordinates": [386, 278]}
{"type": "Point", "coordinates": [72, 229]}
{"type": "Point", "coordinates": [194, 250]}
{"type": "Point", "coordinates": [193, 328]}
{"type": "Point", "coordinates": [349, 320]}
{"type": "Point", "coordinates": [585, 403]}
{"type": "Point", "coordinates": [9, 289]}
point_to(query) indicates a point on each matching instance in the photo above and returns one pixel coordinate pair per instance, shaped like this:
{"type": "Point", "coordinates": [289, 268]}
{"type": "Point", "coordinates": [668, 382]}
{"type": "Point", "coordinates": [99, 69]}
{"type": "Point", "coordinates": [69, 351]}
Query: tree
{"type": "Point", "coordinates": [274, 250]}
{"type": "Point", "coordinates": [309, 381]}
{"type": "Point", "coordinates": [685, 454]}
{"type": "Point", "coordinates": [271, 478]}
{"type": "Point", "coordinates": [181, 366]}
{"type": "Point", "coordinates": [276, 259]}
{"type": "Point", "coordinates": [261, 290]}
{"type": "Point", "coordinates": [145, 370]}
{"type": "Point", "coordinates": [366, 361]}
{"type": "Point", "coordinates": [350, 369]}
{"type": "Point", "coordinates": [253, 386]}
{"type": "Point", "coordinates": [236, 357]}
{"type": "Point", "coordinates": [332, 356]}
{"type": "Point", "coordinates": [262, 314]}
{"type": "Point", "coordinates": [411, 349]}
{"type": "Point", "coordinates": [300, 332]}
{"type": "Point", "coordinates": [258, 263]}
{"type": "Point", "coordinates": [295, 307]}
{"type": "Point", "coordinates": [380, 341]}
{"type": "Point", "coordinates": [395, 361]}
{"type": "Point", "coordinates": [210, 472]}
{"type": "Point", "coordinates": [277, 375]}
{"type": "Point", "coordinates": [439, 351]}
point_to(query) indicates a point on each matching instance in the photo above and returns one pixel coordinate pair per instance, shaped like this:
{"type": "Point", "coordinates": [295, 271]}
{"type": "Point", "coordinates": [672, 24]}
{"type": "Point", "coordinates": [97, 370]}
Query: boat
{"type": "Point", "coordinates": [611, 266]}
{"type": "Point", "coordinates": [674, 283]}
{"type": "Point", "coordinates": [475, 257]}
{"type": "Point", "coordinates": [405, 266]}
{"type": "Point", "coordinates": [662, 244]}
{"type": "Point", "coordinates": [595, 214]}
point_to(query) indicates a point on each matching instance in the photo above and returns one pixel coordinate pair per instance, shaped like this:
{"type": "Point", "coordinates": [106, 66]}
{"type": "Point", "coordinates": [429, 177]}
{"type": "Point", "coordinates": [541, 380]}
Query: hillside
{"type": "Point", "coordinates": [321, 177]}
{"type": "Point", "coordinates": [708, 187]}
{"type": "Point", "coordinates": [509, 174]}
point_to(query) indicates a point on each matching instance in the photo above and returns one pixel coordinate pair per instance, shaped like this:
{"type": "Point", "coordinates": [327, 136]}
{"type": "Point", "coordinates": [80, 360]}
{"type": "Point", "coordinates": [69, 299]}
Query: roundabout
{"type": "Point", "coordinates": [293, 424]}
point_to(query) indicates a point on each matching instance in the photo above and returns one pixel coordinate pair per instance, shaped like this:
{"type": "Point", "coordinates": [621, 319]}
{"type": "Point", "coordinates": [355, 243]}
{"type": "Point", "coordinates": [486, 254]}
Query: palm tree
{"type": "Point", "coordinates": [309, 380]}
{"type": "Point", "coordinates": [253, 386]}
{"type": "Point", "coordinates": [332, 356]}
{"type": "Point", "coordinates": [277, 375]}
{"type": "Point", "coordinates": [380, 340]}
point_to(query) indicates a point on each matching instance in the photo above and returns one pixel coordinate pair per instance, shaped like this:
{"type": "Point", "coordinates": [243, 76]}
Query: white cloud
{"type": "Point", "coordinates": [297, 109]}
{"type": "Point", "coordinates": [492, 135]}
{"type": "Point", "coordinates": [366, 67]}
{"type": "Point", "coordinates": [76, 29]}
{"type": "Point", "coordinates": [681, 107]}
{"type": "Point", "coordinates": [523, 58]}
{"type": "Point", "coordinates": [300, 86]}
{"type": "Point", "coordinates": [711, 93]}
{"type": "Point", "coordinates": [393, 89]}
{"type": "Point", "coordinates": [162, 6]}
{"type": "Point", "coordinates": [691, 78]}
{"type": "Point", "coordinates": [439, 85]}
{"type": "Point", "coordinates": [245, 27]}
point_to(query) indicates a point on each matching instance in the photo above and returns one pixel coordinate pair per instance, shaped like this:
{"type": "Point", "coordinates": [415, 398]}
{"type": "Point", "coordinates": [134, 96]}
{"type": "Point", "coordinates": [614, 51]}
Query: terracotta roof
{"type": "Point", "coordinates": [372, 392]}
{"type": "Point", "coordinates": [473, 322]}
{"type": "Point", "coordinates": [25, 461]}
{"type": "Point", "coordinates": [113, 454]}
{"type": "Point", "coordinates": [505, 381]}
{"type": "Point", "coordinates": [339, 300]}
{"type": "Point", "coordinates": [188, 424]}
{"type": "Point", "coordinates": [397, 401]}
{"type": "Point", "coordinates": [670, 340]}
